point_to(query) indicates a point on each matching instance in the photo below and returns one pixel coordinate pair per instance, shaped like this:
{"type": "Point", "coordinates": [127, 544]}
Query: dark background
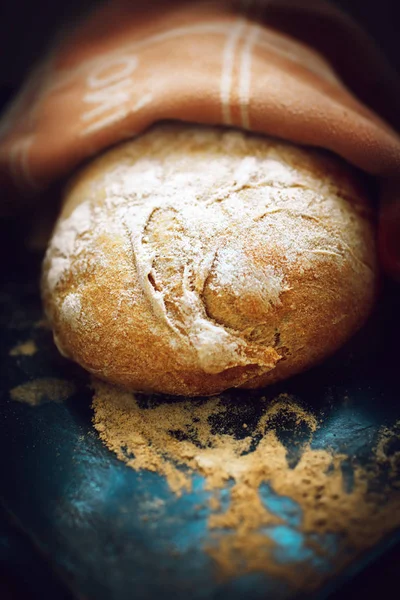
{"type": "Point", "coordinates": [26, 27]}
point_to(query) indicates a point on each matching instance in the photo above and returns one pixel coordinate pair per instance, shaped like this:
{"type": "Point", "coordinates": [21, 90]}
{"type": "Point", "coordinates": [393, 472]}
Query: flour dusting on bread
{"type": "Point", "coordinates": [187, 248]}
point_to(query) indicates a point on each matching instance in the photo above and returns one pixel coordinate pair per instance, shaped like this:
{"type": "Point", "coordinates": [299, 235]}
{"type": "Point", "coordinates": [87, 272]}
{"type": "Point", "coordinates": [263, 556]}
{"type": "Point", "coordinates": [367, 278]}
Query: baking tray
{"type": "Point", "coordinates": [94, 519]}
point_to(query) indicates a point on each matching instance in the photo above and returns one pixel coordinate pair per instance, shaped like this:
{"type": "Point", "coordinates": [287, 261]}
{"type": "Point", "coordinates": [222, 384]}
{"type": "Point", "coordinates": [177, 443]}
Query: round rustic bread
{"type": "Point", "coordinates": [194, 259]}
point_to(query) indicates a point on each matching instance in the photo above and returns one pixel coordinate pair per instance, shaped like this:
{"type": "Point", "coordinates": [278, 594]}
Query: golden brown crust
{"type": "Point", "coordinates": [194, 259]}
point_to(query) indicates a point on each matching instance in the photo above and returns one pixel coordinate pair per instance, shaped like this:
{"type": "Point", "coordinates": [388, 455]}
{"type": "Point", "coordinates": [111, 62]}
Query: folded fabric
{"type": "Point", "coordinates": [283, 68]}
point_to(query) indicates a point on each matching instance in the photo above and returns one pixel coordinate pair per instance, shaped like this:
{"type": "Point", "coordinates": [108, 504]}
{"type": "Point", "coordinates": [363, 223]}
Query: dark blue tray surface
{"type": "Point", "coordinates": [84, 509]}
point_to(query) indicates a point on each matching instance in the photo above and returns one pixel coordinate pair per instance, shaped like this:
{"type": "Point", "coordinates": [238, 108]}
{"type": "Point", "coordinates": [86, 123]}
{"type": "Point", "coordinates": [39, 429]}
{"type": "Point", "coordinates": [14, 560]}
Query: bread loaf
{"type": "Point", "coordinates": [193, 259]}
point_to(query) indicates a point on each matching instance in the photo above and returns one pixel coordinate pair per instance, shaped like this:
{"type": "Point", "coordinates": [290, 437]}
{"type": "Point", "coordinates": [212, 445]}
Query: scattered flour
{"type": "Point", "coordinates": [27, 348]}
{"type": "Point", "coordinates": [45, 389]}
